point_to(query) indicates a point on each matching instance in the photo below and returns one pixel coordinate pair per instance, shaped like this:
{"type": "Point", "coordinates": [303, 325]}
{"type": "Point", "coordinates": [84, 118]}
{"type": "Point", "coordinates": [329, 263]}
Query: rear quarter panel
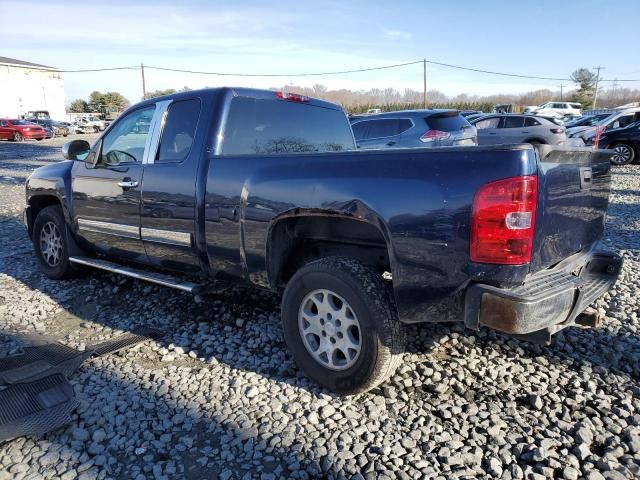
{"type": "Point", "coordinates": [420, 200]}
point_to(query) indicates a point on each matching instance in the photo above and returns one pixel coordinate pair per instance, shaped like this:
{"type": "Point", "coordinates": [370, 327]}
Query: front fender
{"type": "Point", "coordinates": [52, 180]}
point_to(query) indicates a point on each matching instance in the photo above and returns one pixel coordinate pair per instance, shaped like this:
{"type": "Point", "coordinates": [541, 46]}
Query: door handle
{"type": "Point", "coordinates": [390, 144]}
{"type": "Point", "coordinates": [127, 183]}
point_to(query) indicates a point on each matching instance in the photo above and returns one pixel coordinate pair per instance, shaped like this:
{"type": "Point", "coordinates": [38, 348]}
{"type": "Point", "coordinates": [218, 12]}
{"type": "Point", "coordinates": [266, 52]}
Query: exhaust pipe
{"type": "Point", "coordinates": [589, 318]}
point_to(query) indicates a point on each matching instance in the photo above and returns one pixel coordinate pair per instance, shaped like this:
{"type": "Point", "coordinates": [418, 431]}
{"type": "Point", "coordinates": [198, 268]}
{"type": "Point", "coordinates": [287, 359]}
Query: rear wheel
{"type": "Point", "coordinates": [341, 325]}
{"type": "Point", "coordinates": [17, 137]}
{"type": "Point", "coordinates": [623, 154]}
{"type": "Point", "coordinates": [50, 243]}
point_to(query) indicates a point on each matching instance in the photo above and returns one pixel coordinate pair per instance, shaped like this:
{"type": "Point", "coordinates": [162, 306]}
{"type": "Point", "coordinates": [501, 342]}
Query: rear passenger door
{"type": "Point", "coordinates": [168, 210]}
{"type": "Point", "coordinates": [381, 133]}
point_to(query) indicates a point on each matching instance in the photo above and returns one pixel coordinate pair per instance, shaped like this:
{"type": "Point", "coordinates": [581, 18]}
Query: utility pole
{"type": "Point", "coordinates": [144, 86]}
{"type": "Point", "coordinates": [424, 84]}
{"type": "Point", "coordinates": [561, 91]}
{"type": "Point", "coordinates": [595, 95]}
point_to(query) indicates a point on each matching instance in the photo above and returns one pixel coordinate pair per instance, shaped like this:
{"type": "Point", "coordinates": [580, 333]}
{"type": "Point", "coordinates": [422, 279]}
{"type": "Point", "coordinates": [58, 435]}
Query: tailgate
{"type": "Point", "coordinates": [573, 196]}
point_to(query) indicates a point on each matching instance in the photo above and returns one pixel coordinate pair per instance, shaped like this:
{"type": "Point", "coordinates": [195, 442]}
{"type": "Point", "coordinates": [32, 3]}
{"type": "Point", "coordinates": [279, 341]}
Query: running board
{"type": "Point", "coordinates": [152, 277]}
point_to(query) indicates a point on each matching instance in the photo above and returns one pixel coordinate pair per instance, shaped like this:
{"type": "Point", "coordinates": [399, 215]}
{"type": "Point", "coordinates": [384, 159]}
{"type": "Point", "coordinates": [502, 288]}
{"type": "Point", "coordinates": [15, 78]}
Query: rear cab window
{"type": "Point", "coordinates": [446, 122]}
{"type": "Point", "coordinates": [262, 126]}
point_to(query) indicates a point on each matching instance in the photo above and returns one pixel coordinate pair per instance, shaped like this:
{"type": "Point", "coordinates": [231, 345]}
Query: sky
{"type": "Point", "coordinates": [535, 37]}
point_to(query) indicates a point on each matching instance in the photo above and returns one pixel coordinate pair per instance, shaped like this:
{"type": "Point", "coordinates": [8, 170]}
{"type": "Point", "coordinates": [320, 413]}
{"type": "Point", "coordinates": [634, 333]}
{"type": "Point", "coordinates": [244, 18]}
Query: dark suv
{"type": "Point", "coordinates": [412, 129]}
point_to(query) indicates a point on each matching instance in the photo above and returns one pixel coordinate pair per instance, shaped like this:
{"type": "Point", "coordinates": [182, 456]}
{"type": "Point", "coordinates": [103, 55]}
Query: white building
{"type": "Point", "coordinates": [26, 86]}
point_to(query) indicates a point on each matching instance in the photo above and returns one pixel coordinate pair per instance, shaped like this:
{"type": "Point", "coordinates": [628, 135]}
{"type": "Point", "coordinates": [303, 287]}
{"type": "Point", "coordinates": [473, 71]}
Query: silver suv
{"type": "Point", "coordinates": [513, 128]}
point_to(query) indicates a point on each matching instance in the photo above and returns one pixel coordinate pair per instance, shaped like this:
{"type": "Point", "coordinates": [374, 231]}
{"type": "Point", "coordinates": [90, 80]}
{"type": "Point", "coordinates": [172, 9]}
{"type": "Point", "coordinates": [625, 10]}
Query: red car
{"type": "Point", "coordinates": [18, 130]}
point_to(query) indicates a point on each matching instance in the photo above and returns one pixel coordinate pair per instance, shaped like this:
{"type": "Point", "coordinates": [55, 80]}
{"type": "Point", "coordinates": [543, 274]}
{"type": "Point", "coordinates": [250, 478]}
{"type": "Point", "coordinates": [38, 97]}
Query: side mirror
{"type": "Point", "coordinates": [76, 150]}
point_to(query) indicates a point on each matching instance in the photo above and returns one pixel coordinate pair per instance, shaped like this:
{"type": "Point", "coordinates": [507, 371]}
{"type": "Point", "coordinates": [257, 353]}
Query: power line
{"type": "Point", "coordinates": [99, 69]}
{"type": "Point", "coordinates": [341, 72]}
{"type": "Point", "coordinates": [312, 74]}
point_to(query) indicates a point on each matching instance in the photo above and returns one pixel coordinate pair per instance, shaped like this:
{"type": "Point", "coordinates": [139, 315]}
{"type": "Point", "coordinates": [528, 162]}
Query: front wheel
{"type": "Point", "coordinates": [50, 243]}
{"type": "Point", "coordinates": [17, 137]}
{"type": "Point", "coordinates": [623, 154]}
{"type": "Point", "coordinates": [341, 325]}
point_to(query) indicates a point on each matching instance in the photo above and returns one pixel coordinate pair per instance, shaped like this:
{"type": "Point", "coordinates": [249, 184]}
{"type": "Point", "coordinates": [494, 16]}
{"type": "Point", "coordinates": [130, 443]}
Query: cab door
{"type": "Point", "coordinates": [107, 191]}
{"type": "Point", "coordinates": [168, 210]}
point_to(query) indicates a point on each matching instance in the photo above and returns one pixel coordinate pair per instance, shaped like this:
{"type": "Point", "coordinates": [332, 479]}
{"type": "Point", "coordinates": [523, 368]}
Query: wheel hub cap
{"type": "Point", "coordinates": [51, 244]}
{"type": "Point", "coordinates": [330, 329]}
{"type": "Point", "coordinates": [622, 154]}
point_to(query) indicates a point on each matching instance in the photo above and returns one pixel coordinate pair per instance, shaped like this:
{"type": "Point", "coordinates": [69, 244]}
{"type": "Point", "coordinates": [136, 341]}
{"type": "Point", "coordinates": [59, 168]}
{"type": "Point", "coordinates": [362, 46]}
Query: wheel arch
{"type": "Point", "coordinates": [35, 205]}
{"type": "Point", "coordinates": [303, 235]}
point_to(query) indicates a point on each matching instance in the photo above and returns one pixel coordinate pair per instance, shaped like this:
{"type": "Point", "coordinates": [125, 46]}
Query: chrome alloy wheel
{"type": "Point", "coordinates": [51, 244]}
{"type": "Point", "coordinates": [622, 154]}
{"type": "Point", "coordinates": [330, 329]}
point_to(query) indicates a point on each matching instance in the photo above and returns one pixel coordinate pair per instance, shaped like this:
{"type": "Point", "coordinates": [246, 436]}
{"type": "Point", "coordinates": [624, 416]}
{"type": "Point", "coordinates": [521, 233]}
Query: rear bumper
{"type": "Point", "coordinates": [547, 302]}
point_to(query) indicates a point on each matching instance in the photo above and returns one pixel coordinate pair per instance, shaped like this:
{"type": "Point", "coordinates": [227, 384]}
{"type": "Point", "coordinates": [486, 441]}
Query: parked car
{"type": "Point", "coordinates": [475, 116]}
{"type": "Point", "coordinates": [48, 132]}
{"type": "Point", "coordinates": [413, 129]}
{"type": "Point", "coordinates": [615, 120]}
{"type": "Point", "coordinates": [269, 190]}
{"type": "Point", "coordinates": [83, 127]}
{"type": "Point", "coordinates": [18, 130]}
{"type": "Point", "coordinates": [467, 113]}
{"type": "Point", "coordinates": [625, 142]}
{"type": "Point", "coordinates": [519, 128]}
{"type": "Point", "coordinates": [58, 128]}
{"type": "Point", "coordinates": [585, 120]}
{"type": "Point", "coordinates": [554, 108]}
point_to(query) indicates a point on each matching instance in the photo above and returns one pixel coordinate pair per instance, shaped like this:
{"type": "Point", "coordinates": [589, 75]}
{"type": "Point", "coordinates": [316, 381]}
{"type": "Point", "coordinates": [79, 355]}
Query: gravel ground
{"type": "Point", "coordinates": [219, 397]}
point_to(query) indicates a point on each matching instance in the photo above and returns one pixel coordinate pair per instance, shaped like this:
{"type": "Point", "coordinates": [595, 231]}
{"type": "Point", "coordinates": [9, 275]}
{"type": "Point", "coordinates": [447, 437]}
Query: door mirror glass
{"type": "Point", "coordinates": [76, 150]}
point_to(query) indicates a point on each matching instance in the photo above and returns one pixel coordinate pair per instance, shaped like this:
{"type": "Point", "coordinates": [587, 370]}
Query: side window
{"type": "Point", "coordinates": [492, 122]}
{"type": "Point", "coordinates": [126, 141]}
{"type": "Point", "coordinates": [383, 128]}
{"type": "Point", "coordinates": [3, 123]}
{"type": "Point", "coordinates": [179, 131]}
{"type": "Point", "coordinates": [360, 130]}
{"type": "Point", "coordinates": [531, 122]}
{"type": "Point", "coordinates": [404, 125]}
{"type": "Point", "coordinates": [624, 121]}
{"type": "Point", "coordinates": [513, 122]}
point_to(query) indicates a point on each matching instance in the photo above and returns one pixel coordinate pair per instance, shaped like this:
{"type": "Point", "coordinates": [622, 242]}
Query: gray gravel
{"type": "Point", "coordinates": [219, 396]}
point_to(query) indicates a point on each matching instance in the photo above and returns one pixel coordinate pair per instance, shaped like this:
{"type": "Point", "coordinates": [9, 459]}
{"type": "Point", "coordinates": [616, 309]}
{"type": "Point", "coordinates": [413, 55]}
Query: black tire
{"type": "Point", "coordinates": [39, 139]}
{"type": "Point", "coordinates": [17, 137]}
{"type": "Point", "coordinates": [381, 335]}
{"type": "Point", "coordinates": [48, 217]}
{"type": "Point", "coordinates": [624, 154]}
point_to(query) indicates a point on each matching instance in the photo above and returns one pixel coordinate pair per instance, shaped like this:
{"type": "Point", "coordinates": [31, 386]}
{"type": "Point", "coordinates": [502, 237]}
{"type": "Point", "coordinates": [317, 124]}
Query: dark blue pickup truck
{"type": "Point", "coordinates": [267, 188]}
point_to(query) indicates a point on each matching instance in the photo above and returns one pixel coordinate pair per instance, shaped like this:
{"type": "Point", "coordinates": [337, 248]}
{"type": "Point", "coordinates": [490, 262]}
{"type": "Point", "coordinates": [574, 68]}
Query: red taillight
{"type": "Point", "coordinates": [433, 135]}
{"type": "Point", "coordinates": [502, 221]}
{"type": "Point", "coordinates": [292, 97]}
